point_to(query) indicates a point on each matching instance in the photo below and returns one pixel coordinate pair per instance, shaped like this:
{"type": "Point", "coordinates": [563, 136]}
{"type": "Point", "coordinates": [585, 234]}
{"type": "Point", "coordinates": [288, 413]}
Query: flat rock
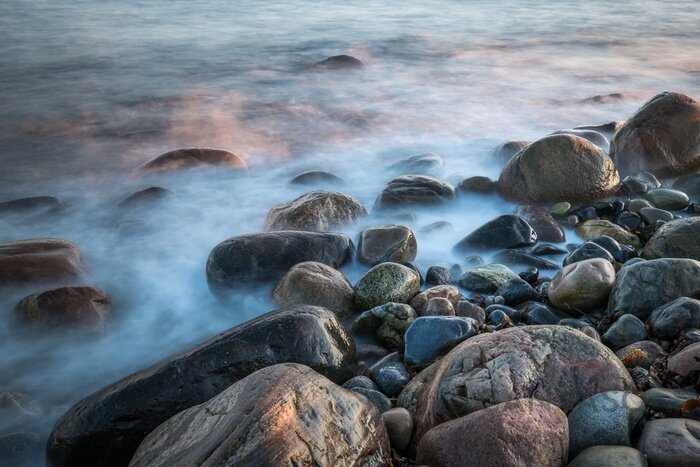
{"type": "Point", "coordinates": [316, 211]}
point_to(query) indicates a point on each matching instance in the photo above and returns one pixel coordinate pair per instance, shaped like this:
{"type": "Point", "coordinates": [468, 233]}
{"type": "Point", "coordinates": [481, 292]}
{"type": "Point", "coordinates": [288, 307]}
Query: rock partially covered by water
{"type": "Point", "coordinates": [414, 190]}
{"type": "Point", "coordinates": [282, 415]}
{"type": "Point", "coordinates": [546, 226]}
{"type": "Point", "coordinates": [262, 257]}
{"type": "Point", "coordinates": [590, 135]}
{"type": "Point", "coordinates": [384, 283]}
{"type": "Point", "coordinates": [339, 62]}
{"type": "Point", "coordinates": [646, 285]}
{"type": "Point", "coordinates": [559, 168]}
{"type": "Point", "coordinates": [671, 442]}
{"type": "Point", "coordinates": [32, 205]}
{"type": "Point", "coordinates": [518, 433]}
{"type": "Point", "coordinates": [386, 243]}
{"type": "Point", "coordinates": [106, 427]}
{"type": "Point", "coordinates": [316, 211]}
{"type": "Point", "coordinates": [504, 152]}
{"type": "Point", "coordinates": [678, 238]}
{"type": "Point", "coordinates": [555, 364]}
{"type": "Point", "coordinates": [316, 177]}
{"type": "Point", "coordinates": [144, 197]}
{"type": "Point", "coordinates": [426, 163]}
{"type": "Point", "coordinates": [662, 137]}
{"type": "Point", "coordinates": [582, 286]}
{"type": "Point", "coordinates": [312, 283]}
{"type": "Point", "coordinates": [64, 307]}
{"type": "Point", "coordinates": [506, 231]}
{"type": "Point", "coordinates": [192, 158]}
{"type": "Point", "coordinates": [38, 261]}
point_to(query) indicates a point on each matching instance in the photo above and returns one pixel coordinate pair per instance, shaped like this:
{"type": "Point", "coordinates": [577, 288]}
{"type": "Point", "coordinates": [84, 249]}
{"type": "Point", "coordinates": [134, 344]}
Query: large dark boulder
{"type": "Point", "coordinates": [106, 427]}
{"type": "Point", "coordinates": [414, 190]}
{"type": "Point", "coordinates": [662, 137]}
{"type": "Point", "coordinates": [316, 211]}
{"type": "Point", "coordinates": [39, 260]}
{"type": "Point", "coordinates": [546, 226]}
{"type": "Point", "coordinates": [678, 238]}
{"type": "Point", "coordinates": [192, 158]}
{"type": "Point", "coordinates": [264, 257]}
{"type": "Point", "coordinates": [506, 231]}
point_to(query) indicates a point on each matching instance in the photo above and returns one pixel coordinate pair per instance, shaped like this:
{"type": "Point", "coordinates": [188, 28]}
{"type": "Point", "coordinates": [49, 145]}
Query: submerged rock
{"type": "Point", "coordinates": [64, 307]}
{"type": "Point", "coordinates": [506, 231]}
{"type": "Point", "coordinates": [591, 135]}
{"type": "Point", "coordinates": [386, 243]}
{"type": "Point", "coordinates": [478, 184]}
{"type": "Point", "coordinates": [316, 211]}
{"type": "Point", "coordinates": [339, 62]}
{"type": "Point", "coordinates": [316, 177]}
{"type": "Point", "coordinates": [32, 205]}
{"type": "Point", "coordinates": [106, 427]}
{"type": "Point", "coordinates": [145, 196]}
{"type": "Point", "coordinates": [272, 417]}
{"type": "Point", "coordinates": [425, 163]}
{"type": "Point", "coordinates": [192, 158]}
{"type": "Point", "coordinates": [40, 260]}
{"type": "Point", "coordinates": [414, 190]}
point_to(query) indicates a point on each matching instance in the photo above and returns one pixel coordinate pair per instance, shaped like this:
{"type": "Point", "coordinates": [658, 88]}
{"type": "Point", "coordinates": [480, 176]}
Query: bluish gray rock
{"type": "Point", "coordinates": [377, 398]}
{"type": "Point", "coordinates": [627, 330]}
{"type": "Point", "coordinates": [430, 336]}
{"type": "Point", "coordinates": [609, 456]}
{"type": "Point", "coordinates": [360, 382]}
{"type": "Point", "coordinates": [667, 401]}
{"type": "Point", "coordinates": [517, 291]}
{"type": "Point", "coordinates": [391, 377]}
{"type": "Point", "coordinates": [670, 320]}
{"type": "Point", "coordinates": [487, 278]}
{"type": "Point", "coordinates": [684, 451]}
{"type": "Point", "coordinates": [587, 251]}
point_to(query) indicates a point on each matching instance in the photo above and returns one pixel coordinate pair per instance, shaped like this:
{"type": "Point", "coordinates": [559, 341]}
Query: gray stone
{"type": "Point", "coordinates": [506, 231]}
{"type": "Point", "coordinates": [430, 336]}
{"type": "Point", "coordinates": [421, 302]}
{"type": "Point", "coordinates": [642, 354]}
{"type": "Point", "coordinates": [609, 456]}
{"type": "Point", "coordinates": [590, 135]}
{"type": "Point", "coordinates": [387, 322]}
{"type": "Point", "coordinates": [686, 362]}
{"type": "Point", "coordinates": [587, 251]}
{"type": "Point", "coordinates": [670, 320]}
{"type": "Point", "coordinates": [339, 62]}
{"type": "Point", "coordinates": [583, 326]}
{"type": "Point", "coordinates": [386, 243]}
{"type": "Point", "coordinates": [636, 205]}
{"type": "Point", "coordinates": [478, 184]}
{"type": "Point", "coordinates": [316, 211]}
{"type": "Point", "coordinates": [379, 400]}
{"type": "Point", "coordinates": [391, 377]}
{"type": "Point", "coordinates": [671, 442]}
{"type": "Point", "coordinates": [583, 286]}
{"type": "Point", "coordinates": [399, 424]}
{"type": "Point", "coordinates": [597, 227]}
{"type": "Point", "coordinates": [504, 152]}
{"type": "Point", "coordinates": [316, 177]}
{"type": "Point", "coordinates": [437, 275]}
{"type": "Point", "coordinates": [414, 190]}
{"type": "Point", "coordinates": [517, 291]}
{"type": "Point", "coordinates": [439, 306]}
{"type": "Point", "coordinates": [487, 278]}
{"type": "Point", "coordinates": [667, 401]}
{"type": "Point", "coordinates": [360, 382]}
{"type": "Point", "coordinates": [384, 283]}
{"type": "Point", "coordinates": [627, 330]}
{"type": "Point", "coordinates": [652, 215]}
{"type": "Point", "coordinates": [467, 309]}
{"type": "Point", "coordinates": [546, 226]}
{"type": "Point", "coordinates": [678, 238]}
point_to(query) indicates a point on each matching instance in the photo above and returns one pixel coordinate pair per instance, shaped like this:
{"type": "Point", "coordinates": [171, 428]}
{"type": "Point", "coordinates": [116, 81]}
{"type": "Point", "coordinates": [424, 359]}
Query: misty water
{"type": "Point", "coordinates": [92, 89]}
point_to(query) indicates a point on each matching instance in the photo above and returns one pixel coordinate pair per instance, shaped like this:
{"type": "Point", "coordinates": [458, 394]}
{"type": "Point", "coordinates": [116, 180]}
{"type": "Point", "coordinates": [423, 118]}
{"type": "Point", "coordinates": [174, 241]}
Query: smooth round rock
{"type": "Point", "coordinates": [379, 400]}
{"type": "Point", "coordinates": [339, 62]}
{"type": "Point", "coordinates": [627, 330]}
{"type": "Point", "coordinates": [686, 362]}
{"type": "Point", "coordinates": [41, 260]}
{"type": "Point", "coordinates": [316, 211]}
{"type": "Point", "coordinates": [671, 442]}
{"type": "Point", "coordinates": [546, 226]}
{"type": "Point", "coordinates": [609, 456]}
{"type": "Point", "coordinates": [316, 177]}
{"type": "Point", "coordinates": [387, 322]}
{"type": "Point", "coordinates": [636, 205]}
{"type": "Point", "coordinates": [652, 215]}
{"type": "Point", "coordinates": [662, 137]}
{"type": "Point", "coordinates": [192, 158]}
{"type": "Point", "coordinates": [504, 152]}
{"type": "Point", "coordinates": [437, 275]}
{"type": "Point", "coordinates": [597, 227]}
{"type": "Point", "coordinates": [360, 382]}
{"type": "Point", "coordinates": [523, 432]}
{"type": "Point", "coordinates": [642, 354]}
{"type": "Point", "coordinates": [582, 326]}
{"type": "Point", "coordinates": [583, 286]}
{"type": "Point", "coordinates": [478, 184]}
{"type": "Point", "coordinates": [312, 283]}
{"type": "Point", "coordinates": [559, 168]}
{"type": "Point", "coordinates": [414, 190]}
{"type": "Point", "coordinates": [506, 231]}
{"type": "Point", "coordinates": [487, 278]}
{"type": "Point", "coordinates": [669, 321]}
{"type": "Point", "coordinates": [667, 401]}
{"type": "Point", "coordinates": [425, 163]}
{"type": "Point", "coordinates": [399, 425]}
{"type": "Point", "coordinates": [430, 336]}
{"type": "Point", "coordinates": [384, 283]}
{"type": "Point", "coordinates": [421, 301]}
{"type": "Point", "coordinates": [666, 198]}
{"type": "Point", "coordinates": [538, 313]}
{"type": "Point", "coordinates": [587, 251]}
{"type": "Point", "coordinates": [64, 307]}
{"type": "Point", "coordinates": [466, 309]}
{"type": "Point", "coordinates": [35, 205]}
{"type": "Point", "coordinates": [517, 291]}
{"type": "Point", "coordinates": [604, 419]}
{"type": "Point", "coordinates": [678, 238]}
{"type": "Point", "coordinates": [689, 184]}
{"type": "Point", "coordinates": [560, 209]}
{"type": "Point", "coordinates": [391, 377]}
{"type": "Point", "coordinates": [386, 243]}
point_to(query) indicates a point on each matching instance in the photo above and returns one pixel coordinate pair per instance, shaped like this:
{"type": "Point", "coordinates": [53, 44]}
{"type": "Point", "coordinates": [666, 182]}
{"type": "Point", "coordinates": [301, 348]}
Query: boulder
{"type": "Point", "coordinates": [669, 321]}
{"type": "Point", "coordinates": [643, 286]}
{"type": "Point", "coordinates": [517, 433]}
{"type": "Point", "coordinates": [559, 168]}
{"type": "Point", "coordinates": [546, 226]}
{"type": "Point", "coordinates": [312, 283]}
{"type": "Point", "coordinates": [662, 137]}
{"type": "Point", "coordinates": [316, 211]}
{"type": "Point", "coordinates": [678, 238]}
{"type": "Point", "coordinates": [506, 231]}
{"type": "Point", "coordinates": [597, 227]}
{"type": "Point", "coordinates": [414, 190]}
{"type": "Point", "coordinates": [252, 259]}
{"type": "Point", "coordinates": [583, 286]}
{"type": "Point", "coordinates": [272, 417]}
{"type": "Point", "coordinates": [192, 158]}
{"type": "Point", "coordinates": [41, 260]}
{"type": "Point", "coordinates": [106, 427]}
{"type": "Point", "coordinates": [64, 307]}
{"type": "Point", "coordinates": [386, 243]}
{"type": "Point", "coordinates": [671, 442]}
{"type": "Point", "coordinates": [384, 283]}
{"type": "Point", "coordinates": [555, 364]}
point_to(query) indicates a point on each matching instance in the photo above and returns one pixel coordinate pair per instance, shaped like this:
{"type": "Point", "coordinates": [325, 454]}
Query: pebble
{"type": "Point", "coordinates": [636, 205]}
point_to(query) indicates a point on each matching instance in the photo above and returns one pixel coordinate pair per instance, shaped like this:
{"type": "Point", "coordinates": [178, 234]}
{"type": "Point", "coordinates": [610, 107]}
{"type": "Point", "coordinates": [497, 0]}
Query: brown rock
{"type": "Point", "coordinates": [517, 433]}
{"type": "Point", "coordinates": [686, 361]}
{"type": "Point", "coordinates": [504, 152]}
{"type": "Point", "coordinates": [582, 286]}
{"type": "Point", "coordinates": [316, 211]}
{"type": "Point", "coordinates": [192, 158]}
{"type": "Point", "coordinates": [439, 306]}
{"type": "Point", "coordinates": [546, 226]}
{"type": "Point", "coordinates": [39, 260]}
{"type": "Point", "coordinates": [281, 415]}
{"type": "Point", "coordinates": [64, 307]}
{"type": "Point", "coordinates": [420, 301]}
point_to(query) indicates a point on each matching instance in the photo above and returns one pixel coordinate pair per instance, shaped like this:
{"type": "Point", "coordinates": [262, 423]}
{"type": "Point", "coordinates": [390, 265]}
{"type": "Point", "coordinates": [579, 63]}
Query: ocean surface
{"type": "Point", "coordinates": [89, 90]}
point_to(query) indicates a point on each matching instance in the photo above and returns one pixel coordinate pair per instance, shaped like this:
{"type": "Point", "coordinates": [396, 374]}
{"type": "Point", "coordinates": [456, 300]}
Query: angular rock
{"type": "Point", "coordinates": [272, 417]}
{"type": "Point", "coordinates": [662, 137]}
{"type": "Point", "coordinates": [64, 307]}
{"type": "Point", "coordinates": [546, 226]}
{"type": "Point", "coordinates": [384, 283]}
{"type": "Point", "coordinates": [386, 243]}
{"type": "Point", "coordinates": [257, 258]}
{"type": "Point", "coordinates": [583, 286]}
{"type": "Point", "coordinates": [106, 427]}
{"type": "Point", "coordinates": [559, 168]}
{"type": "Point", "coordinates": [487, 278]}
{"type": "Point", "coordinates": [597, 227]}
{"type": "Point", "coordinates": [316, 211]}
{"type": "Point", "coordinates": [192, 158]}
{"type": "Point", "coordinates": [40, 260]}
{"type": "Point", "coordinates": [609, 456]}
{"type": "Point", "coordinates": [414, 190]}
{"type": "Point", "coordinates": [312, 283]}
{"type": "Point", "coordinates": [502, 232]}
{"type": "Point", "coordinates": [671, 442]}
{"type": "Point", "coordinates": [430, 336]}
{"type": "Point", "coordinates": [518, 433]}
{"type": "Point", "coordinates": [669, 321]}
{"type": "Point", "coordinates": [387, 322]}
{"type": "Point", "coordinates": [678, 238]}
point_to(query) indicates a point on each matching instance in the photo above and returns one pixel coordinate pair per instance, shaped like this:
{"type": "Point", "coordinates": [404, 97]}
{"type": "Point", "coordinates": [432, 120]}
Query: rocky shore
{"type": "Point", "coordinates": [531, 351]}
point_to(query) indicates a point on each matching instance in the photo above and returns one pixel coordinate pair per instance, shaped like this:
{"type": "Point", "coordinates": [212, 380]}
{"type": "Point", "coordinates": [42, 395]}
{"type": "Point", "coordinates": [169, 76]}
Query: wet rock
{"type": "Point", "coordinates": [665, 198]}
{"type": "Point", "coordinates": [582, 326]}
{"type": "Point", "coordinates": [384, 283]}
{"type": "Point", "coordinates": [669, 321]}
{"type": "Point", "coordinates": [430, 336]}
{"type": "Point", "coordinates": [686, 362]}
{"type": "Point", "coordinates": [107, 426]}
{"type": "Point", "coordinates": [421, 301]}
{"type": "Point", "coordinates": [360, 382]}
{"type": "Point", "coordinates": [263, 257]}
{"type": "Point", "coordinates": [386, 243]}
{"type": "Point", "coordinates": [538, 313]}
{"type": "Point", "coordinates": [517, 291]}
{"type": "Point", "coordinates": [662, 137]}
{"type": "Point", "coordinates": [643, 286]}
{"type": "Point", "coordinates": [530, 275]}
{"type": "Point", "coordinates": [467, 309]}
{"type": "Point", "coordinates": [504, 152]}
{"type": "Point", "coordinates": [499, 318]}
{"type": "Point", "coordinates": [683, 451]}
{"type": "Point", "coordinates": [595, 228]}
{"type": "Point", "coordinates": [192, 158]}
{"type": "Point", "coordinates": [546, 227]}
{"type": "Point", "coordinates": [609, 456]}
{"type": "Point", "coordinates": [415, 269]}
{"type": "Point", "coordinates": [387, 322]}
{"type": "Point", "coordinates": [627, 330]}
{"type": "Point", "coordinates": [438, 275]}
{"type": "Point", "coordinates": [652, 215]}
{"type": "Point", "coordinates": [33, 205]}
{"type": "Point", "coordinates": [502, 232]}
{"type": "Point", "coordinates": [547, 250]}
{"type": "Point", "coordinates": [520, 258]}
{"type": "Point", "coordinates": [503, 435]}
{"type": "Point", "coordinates": [316, 211]}
{"type": "Point", "coordinates": [678, 238]}
{"type": "Point", "coordinates": [642, 353]}
{"type": "Point", "coordinates": [436, 227]}
{"type": "Point", "coordinates": [513, 314]}
{"type": "Point", "coordinates": [689, 184]}
{"type": "Point", "coordinates": [339, 62]}
{"type": "Point", "coordinates": [487, 278]}
{"type": "Point", "coordinates": [606, 128]}
{"type": "Point", "coordinates": [64, 307]}
{"type": "Point", "coordinates": [379, 400]}
{"type": "Point", "coordinates": [426, 163]}
{"type": "Point", "coordinates": [312, 283]}
{"type": "Point", "coordinates": [40, 260]}
{"type": "Point", "coordinates": [604, 419]}
{"type": "Point", "coordinates": [439, 307]}
{"type": "Point", "coordinates": [316, 177]}
{"type": "Point", "coordinates": [560, 209]}
{"type": "Point", "coordinates": [629, 220]}
{"type": "Point", "coordinates": [391, 377]}
{"type": "Point", "coordinates": [478, 184]}
{"type": "Point", "coordinates": [145, 196]}
{"type": "Point", "coordinates": [271, 417]}
{"type": "Point", "coordinates": [636, 205]}
{"type": "Point", "coordinates": [583, 286]}
{"type": "Point", "coordinates": [399, 425]}
{"type": "Point", "coordinates": [414, 190]}
{"type": "Point", "coordinates": [589, 135]}
{"type": "Point", "coordinates": [618, 252]}
{"type": "Point", "coordinates": [558, 168]}
{"type": "Point", "coordinates": [555, 364]}
{"type": "Point", "coordinates": [587, 251]}
{"type": "Point", "coordinates": [667, 401]}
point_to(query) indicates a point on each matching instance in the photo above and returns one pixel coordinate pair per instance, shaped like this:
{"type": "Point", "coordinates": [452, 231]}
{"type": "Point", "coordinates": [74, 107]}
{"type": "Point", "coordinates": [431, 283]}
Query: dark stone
{"type": "Point", "coordinates": [606, 128]}
{"type": "Point", "coordinates": [530, 275]}
{"type": "Point", "coordinates": [33, 205]}
{"type": "Point", "coordinates": [611, 245]}
{"type": "Point", "coordinates": [689, 184]}
{"type": "Point", "coordinates": [538, 313]}
{"type": "Point", "coordinates": [520, 258]}
{"type": "Point", "coordinates": [40, 260]}
{"type": "Point", "coordinates": [627, 330]}
{"type": "Point", "coordinates": [437, 227]}
{"type": "Point", "coordinates": [430, 336]}
{"type": "Point", "coordinates": [633, 186]}
{"type": "Point", "coordinates": [467, 309]}
{"type": "Point", "coordinates": [414, 190]}
{"type": "Point", "coordinates": [415, 269]}
{"type": "Point", "coordinates": [517, 291]}
{"type": "Point", "coordinates": [478, 184]}
{"type": "Point", "coordinates": [316, 177]}
{"type": "Point", "coordinates": [375, 397]}
{"type": "Point", "coordinates": [629, 220]}
{"type": "Point", "coordinates": [315, 211]}
{"type": "Point", "coordinates": [652, 215]}
{"type": "Point", "coordinates": [437, 275]}
{"type": "Point", "coordinates": [64, 307]}
{"type": "Point", "coordinates": [502, 232]}
{"type": "Point", "coordinates": [513, 314]}
{"type": "Point", "coordinates": [192, 158]}
{"type": "Point", "coordinates": [145, 196]}
{"type": "Point", "coordinates": [505, 151]}
{"type": "Point", "coordinates": [545, 249]}
{"type": "Point", "coordinates": [582, 326]}
{"type": "Point", "coordinates": [670, 320]}
{"type": "Point", "coordinates": [265, 257]}
{"type": "Point", "coordinates": [587, 213]}
{"type": "Point", "coordinates": [386, 243]}
{"type": "Point", "coordinates": [339, 62]}
{"type": "Point", "coordinates": [106, 427]}
{"type": "Point", "coordinates": [590, 135]}
{"type": "Point", "coordinates": [546, 226]}
{"type": "Point", "coordinates": [499, 318]}
{"type": "Point", "coordinates": [360, 382]}
{"type": "Point", "coordinates": [426, 163]}
{"type": "Point", "coordinates": [587, 251]}
{"type": "Point", "coordinates": [391, 377]}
